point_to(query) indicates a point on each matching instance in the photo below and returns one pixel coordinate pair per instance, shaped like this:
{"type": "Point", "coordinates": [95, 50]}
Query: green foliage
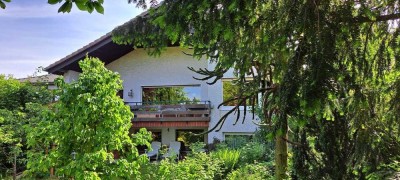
{"type": "Point", "coordinates": [2, 3]}
{"type": "Point", "coordinates": [41, 134]}
{"type": "Point", "coordinates": [15, 113]}
{"type": "Point", "coordinates": [229, 157]}
{"type": "Point", "coordinates": [387, 171]}
{"type": "Point", "coordinates": [90, 122]}
{"type": "Point", "coordinates": [254, 171]}
{"type": "Point", "coordinates": [197, 147]}
{"type": "Point", "coordinates": [236, 141]}
{"type": "Point", "coordinates": [11, 137]}
{"type": "Point", "coordinates": [230, 93]}
{"type": "Point", "coordinates": [83, 5]}
{"type": "Point", "coordinates": [14, 94]}
{"type": "Point", "coordinates": [252, 152]}
{"type": "Point", "coordinates": [198, 166]}
{"type": "Point", "coordinates": [165, 95]}
{"type": "Point", "coordinates": [327, 70]}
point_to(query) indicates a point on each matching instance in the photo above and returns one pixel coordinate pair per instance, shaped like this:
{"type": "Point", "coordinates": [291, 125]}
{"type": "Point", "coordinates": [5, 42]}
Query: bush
{"type": "Point", "coordinates": [198, 166]}
{"type": "Point", "coordinates": [236, 142]}
{"type": "Point", "coordinates": [387, 171]}
{"type": "Point", "coordinates": [197, 147]}
{"type": "Point", "coordinates": [252, 152]}
{"type": "Point", "coordinates": [251, 172]}
{"type": "Point", "coordinates": [229, 157]}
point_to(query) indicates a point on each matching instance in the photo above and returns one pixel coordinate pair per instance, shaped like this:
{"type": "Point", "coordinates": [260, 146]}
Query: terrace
{"type": "Point", "coordinates": [167, 111]}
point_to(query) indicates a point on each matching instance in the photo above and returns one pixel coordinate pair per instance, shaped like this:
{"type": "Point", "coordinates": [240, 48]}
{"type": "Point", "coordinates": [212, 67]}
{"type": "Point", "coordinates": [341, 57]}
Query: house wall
{"type": "Point", "coordinates": [138, 69]}
{"type": "Point", "coordinates": [216, 98]}
{"type": "Point", "coordinates": [71, 76]}
{"type": "Point", "coordinates": [168, 135]}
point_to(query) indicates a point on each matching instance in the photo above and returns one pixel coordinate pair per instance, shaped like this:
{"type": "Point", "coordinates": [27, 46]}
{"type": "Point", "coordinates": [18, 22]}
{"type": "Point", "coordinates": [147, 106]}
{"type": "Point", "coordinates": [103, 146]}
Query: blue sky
{"type": "Point", "coordinates": [33, 34]}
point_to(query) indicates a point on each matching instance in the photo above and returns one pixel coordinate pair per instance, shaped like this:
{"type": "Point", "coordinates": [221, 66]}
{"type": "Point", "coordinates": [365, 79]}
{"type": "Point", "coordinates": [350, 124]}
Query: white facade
{"type": "Point", "coordinates": [138, 69]}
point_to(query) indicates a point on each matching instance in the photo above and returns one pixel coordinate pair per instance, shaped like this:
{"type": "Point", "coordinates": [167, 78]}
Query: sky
{"type": "Point", "coordinates": [33, 34]}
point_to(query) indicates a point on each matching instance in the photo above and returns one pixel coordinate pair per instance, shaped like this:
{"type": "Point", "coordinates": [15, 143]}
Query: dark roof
{"type": "Point", "coordinates": [103, 48]}
{"type": "Point", "coordinates": [48, 78]}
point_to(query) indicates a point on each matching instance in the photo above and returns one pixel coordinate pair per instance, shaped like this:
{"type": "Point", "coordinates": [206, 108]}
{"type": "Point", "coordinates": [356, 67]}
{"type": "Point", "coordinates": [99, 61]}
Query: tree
{"type": "Point", "coordinates": [11, 138]}
{"type": "Point", "coordinates": [320, 67]}
{"type": "Point", "coordinates": [15, 94]}
{"type": "Point", "coordinates": [90, 123]}
{"type": "Point", "coordinates": [326, 69]}
{"type": "Point", "coordinates": [14, 115]}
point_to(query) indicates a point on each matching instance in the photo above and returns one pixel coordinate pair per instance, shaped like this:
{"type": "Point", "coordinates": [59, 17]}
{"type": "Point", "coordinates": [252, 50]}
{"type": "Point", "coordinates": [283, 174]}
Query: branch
{"type": "Point", "coordinates": [262, 124]}
{"type": "Point", "coordinates": [362, 19]}
{"type": "Point", "coordinates": [293, 143]}
{"type": "Point", "coordinates": [387, 17]}
{"type": "Point", "coordinates": [217, 74]}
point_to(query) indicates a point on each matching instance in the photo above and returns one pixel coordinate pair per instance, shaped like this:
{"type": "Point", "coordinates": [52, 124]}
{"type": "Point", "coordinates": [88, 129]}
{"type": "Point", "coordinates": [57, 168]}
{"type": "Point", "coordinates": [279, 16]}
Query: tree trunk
{"type": "Point", "coordinates": [281, 155]}
{"type": "Point", "coordinates": [15, 167]}
{"type": "Point", "coordinates": [52, 168]}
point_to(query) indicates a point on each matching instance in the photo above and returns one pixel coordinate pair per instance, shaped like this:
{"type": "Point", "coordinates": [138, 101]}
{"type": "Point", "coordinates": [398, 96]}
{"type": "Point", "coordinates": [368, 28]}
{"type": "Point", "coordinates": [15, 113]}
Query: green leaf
{"type": "Point", "coordinates": [89, 6]}
{"type": "Point", "coordinates": [53, 1]}
{"type": "Point", "coordinates": [66, 7]}
{"type": "Point", "coordinates": [2, 5]}
{"type": "Point", "coordinates": [81, 6]}
{"type": "Point", "coordinates": [99, 8]}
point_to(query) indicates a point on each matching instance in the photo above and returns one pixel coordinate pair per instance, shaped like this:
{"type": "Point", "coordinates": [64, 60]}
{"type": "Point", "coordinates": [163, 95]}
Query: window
{"type": "Point", "coordinates": [187, 137]}
{"type": "Point", "coordinates": [237, 140]}
{"type": "Point", "coordinates": [120, 93]}
{"type": "Point", "coordinates": [230, 91]}
{"type": "Point", "coordinates": [168, 94]}
{"type": "Point", "coordinates": [156, 135]}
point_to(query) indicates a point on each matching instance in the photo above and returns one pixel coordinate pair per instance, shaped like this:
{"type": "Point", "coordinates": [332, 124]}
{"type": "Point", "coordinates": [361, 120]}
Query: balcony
{"type": "Point", "coordinates": [171, 111]}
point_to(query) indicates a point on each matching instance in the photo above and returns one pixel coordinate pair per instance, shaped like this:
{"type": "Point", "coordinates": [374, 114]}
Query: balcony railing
{"type": "Point", "coordinates": [171, 111]}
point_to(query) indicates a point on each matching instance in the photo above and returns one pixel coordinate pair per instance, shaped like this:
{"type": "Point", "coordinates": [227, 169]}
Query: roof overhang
{"type": "Point", "coordinates": [103, 48]}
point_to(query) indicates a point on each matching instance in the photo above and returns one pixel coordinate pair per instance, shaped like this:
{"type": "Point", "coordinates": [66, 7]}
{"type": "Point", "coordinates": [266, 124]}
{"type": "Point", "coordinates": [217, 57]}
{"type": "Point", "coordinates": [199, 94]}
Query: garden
{"type": "Point", "coordinates": [77, 137]}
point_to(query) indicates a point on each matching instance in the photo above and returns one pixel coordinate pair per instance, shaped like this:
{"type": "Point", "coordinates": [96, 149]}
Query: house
{"type": "Point", "coordinates": [162, 92]}
{"type": "Point", "coordinates": [47, 79]}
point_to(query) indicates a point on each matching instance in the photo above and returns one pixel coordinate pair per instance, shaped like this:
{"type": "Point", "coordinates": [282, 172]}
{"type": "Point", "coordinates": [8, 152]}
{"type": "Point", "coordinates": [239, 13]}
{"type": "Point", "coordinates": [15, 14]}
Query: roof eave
{"type": "Point", "coordinates": [57, 67]}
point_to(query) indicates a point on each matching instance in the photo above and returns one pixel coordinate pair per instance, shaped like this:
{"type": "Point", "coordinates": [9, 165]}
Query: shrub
{"type": "Point", "coordinates": [252, 152]}
{"type": "Point", "coordinates": [198, 166]}
{"type": "Point", "coordinates": [197, 147]}
{"type": "Point", "coordinates": [387, 171]}
{"type": "Point", "coordinates": [237, 141]}
{"type": "Point", "coordinates": [251, 172]}
{"type": "Point", "coordinates": [229, 157]}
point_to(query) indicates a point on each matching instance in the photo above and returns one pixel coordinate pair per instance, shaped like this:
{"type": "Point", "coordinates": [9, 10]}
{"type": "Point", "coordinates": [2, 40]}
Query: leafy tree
{"type": "Point", "coordinates": [14, 97]}
{"type": "Point", "coordinates": [11, 138]}
{"type": "Point", "coordinates": [326, 69]}
{"type": "Point", "coordinates": [14, 94]}
{"type": "Point", "coordinates": [90, 124]}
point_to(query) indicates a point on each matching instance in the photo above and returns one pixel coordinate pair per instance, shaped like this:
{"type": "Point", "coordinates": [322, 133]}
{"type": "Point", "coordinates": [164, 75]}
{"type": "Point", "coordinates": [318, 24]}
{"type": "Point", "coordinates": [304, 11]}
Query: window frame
{"type": "Point", "coordinates": [170, 86]}
{"type": "Point", "coordinates": [225, 107]}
